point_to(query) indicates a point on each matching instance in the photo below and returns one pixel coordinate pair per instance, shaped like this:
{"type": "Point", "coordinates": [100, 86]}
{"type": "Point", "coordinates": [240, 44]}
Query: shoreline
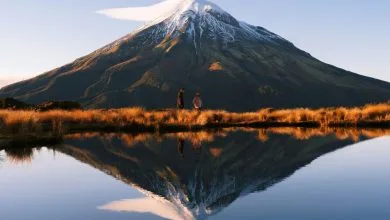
{"type": "Point", "coordinates": [263, 135]}
{"type": "Point", "coordinates": [32, 140]}
{"type": "Point", "coordinates": [22, 124]}
{"type": "Point", "coordinates": [46, 129]}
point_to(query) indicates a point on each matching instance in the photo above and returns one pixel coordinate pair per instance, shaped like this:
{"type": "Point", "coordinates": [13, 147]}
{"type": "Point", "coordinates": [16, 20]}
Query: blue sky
{"type": "Point", "coordinates": [39, 35]}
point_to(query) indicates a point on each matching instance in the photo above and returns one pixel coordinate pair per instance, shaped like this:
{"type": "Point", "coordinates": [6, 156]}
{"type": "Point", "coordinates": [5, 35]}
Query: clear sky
{"type": "Point", "coordinates": [39, 35]}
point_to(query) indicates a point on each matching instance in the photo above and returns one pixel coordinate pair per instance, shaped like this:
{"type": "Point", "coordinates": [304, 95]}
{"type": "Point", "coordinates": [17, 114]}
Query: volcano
{"type": "Point", "coordinates": [199, 46]}
{"type": "Point", "coordinates": [197, 182]}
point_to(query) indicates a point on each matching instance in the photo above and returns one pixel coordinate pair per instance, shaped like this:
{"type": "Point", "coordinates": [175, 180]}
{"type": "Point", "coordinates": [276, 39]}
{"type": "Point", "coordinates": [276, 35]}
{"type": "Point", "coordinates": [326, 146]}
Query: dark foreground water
{"type": "Point", "coordinates": [233, 175]}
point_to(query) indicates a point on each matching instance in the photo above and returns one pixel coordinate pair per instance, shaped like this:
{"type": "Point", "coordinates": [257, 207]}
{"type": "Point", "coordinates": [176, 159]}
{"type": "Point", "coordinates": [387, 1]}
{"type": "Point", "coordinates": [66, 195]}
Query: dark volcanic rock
{"type": "Point", "coordinates": [54, 105]}
{"type": "Point", "coordinates": [13, 104]}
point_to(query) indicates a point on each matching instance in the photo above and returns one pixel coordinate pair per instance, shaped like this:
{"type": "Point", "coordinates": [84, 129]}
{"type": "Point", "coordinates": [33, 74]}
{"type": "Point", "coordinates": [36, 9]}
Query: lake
{"type": "Point", "coordinates": [230, 174]}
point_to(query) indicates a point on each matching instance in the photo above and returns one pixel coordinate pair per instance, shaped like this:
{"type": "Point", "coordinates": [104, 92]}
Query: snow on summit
{"type": "Point", "coordinates": [198, 19]}
{"type": "Point", "coordinates": [199, 6]}
{"type": "Point", "coordinates": [160, 10]}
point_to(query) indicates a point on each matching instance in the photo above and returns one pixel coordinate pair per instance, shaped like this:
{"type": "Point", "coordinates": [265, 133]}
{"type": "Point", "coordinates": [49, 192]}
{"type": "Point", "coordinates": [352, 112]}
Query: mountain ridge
{"type": "Point", "coordinates": [236, 66]}
{"type": "Point", "coordinates": [204, 185]}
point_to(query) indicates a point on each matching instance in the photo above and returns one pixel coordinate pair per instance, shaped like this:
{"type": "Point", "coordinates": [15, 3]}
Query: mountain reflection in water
{"type": "Point", "coordinates": [196, 175]}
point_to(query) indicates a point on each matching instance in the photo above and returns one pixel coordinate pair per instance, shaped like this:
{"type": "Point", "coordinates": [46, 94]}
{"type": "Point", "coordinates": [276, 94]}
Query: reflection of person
{"type": "Point", "coordinates": [197, 102]}
{"type": "Point", "coordinates": [180, 147]}
{"type": "Point", "coordinates": [196, 145]}
{"type": "Point", "coordinates": [180, 99]}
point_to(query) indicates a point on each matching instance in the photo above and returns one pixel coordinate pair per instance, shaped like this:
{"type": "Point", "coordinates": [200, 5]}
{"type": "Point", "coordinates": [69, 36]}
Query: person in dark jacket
{"type": "Point", "coordinates": [180, 99]}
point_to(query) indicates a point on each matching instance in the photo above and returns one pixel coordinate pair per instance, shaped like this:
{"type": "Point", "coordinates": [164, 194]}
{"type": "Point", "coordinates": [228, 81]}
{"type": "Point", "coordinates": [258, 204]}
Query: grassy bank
{"type": "Point", "coordinates": [21, 150]}
{"type": "Point", "coordinates": [262, 134]}
{"type": "Point", "coordinates": [59, 122]}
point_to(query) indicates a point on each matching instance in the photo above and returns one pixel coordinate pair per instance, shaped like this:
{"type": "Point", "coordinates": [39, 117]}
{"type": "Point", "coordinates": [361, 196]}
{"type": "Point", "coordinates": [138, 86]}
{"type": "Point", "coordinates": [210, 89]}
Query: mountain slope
{"type": "Point", "coordinates": [196, 181]}
{"type": "Point", "coordinates": [236, 66]}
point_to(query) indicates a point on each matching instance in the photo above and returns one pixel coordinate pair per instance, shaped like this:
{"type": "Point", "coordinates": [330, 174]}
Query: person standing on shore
{"type": "Point", "coordinates": [197, 102]}
{"type": "Point", "coordinates": [180, 147]}
{"type": "Point", "coordinates": [180, 99]}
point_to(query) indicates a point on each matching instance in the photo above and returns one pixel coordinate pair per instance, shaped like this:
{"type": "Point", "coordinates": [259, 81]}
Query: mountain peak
{"type": "Point", "coordinates": [185, 9]}
{"type": "Point", "coordinates": [198, 6]}
{"type": "Point", "coordinates": [255, 68]}
{"type": "Point", "coordinates": [202, 19]}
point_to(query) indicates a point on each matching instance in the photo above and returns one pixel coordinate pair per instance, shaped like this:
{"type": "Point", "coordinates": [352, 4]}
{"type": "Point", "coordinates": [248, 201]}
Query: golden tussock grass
{"type": "Point", "coordinates": [20, 155]}
{"type": "Point", "coordinates": [129, 139]}
{"type": "Point", "coordinates": [263, 134]}
{"type": "Point", "coordinates": [137, 119]}
{"type": "Point", "coordinates": [354, 134]}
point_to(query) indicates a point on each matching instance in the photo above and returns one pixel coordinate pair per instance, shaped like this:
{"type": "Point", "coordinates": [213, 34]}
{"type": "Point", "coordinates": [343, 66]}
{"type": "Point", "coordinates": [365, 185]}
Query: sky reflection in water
{"type": "Point", "coordinates": [222, 175]}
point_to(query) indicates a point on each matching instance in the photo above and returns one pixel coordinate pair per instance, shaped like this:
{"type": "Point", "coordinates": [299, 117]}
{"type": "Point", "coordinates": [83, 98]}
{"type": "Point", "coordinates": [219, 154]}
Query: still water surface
{"type": "Point", "coordinates": [198, 175]}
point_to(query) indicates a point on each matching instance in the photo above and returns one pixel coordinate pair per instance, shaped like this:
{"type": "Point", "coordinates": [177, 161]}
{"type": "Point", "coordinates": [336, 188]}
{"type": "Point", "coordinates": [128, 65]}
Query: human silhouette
{"type": "Point", "coordinates": [180, 99]}
{"type": "Point", "coordinates": [197, 102]}
{"type": "Point", "coordinates": [196, 144]}
{"type": "Point", "coordinates": [180, 147]}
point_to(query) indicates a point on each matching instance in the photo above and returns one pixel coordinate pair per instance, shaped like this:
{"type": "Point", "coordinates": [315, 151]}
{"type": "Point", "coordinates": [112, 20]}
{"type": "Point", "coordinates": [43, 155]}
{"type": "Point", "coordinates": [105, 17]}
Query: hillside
{"type": "Point", "coordinates": [206, 176]}
{"type": "Point", "coordinates": [236, 66]}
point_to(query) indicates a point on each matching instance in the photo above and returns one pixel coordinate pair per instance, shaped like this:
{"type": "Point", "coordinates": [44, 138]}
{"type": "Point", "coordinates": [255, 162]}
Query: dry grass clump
{"type": "Point", "coordinates": [19, 155]}
{"type": "Point", "coordinates": [129, 139]}
{"type": "Point", "coordinates": [60, 122]}
{"type": "Point", "coordinates": [263, 134]}
{"type": "Point", "coordinates": [327, 116]}
{"type": "Point", "coordinates": [354, 134]}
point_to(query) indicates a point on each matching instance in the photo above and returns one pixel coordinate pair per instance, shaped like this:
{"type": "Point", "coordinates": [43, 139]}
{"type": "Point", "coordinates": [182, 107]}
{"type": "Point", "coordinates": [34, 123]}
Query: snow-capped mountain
{"type": "Point", "coordinates": [200, 185]}
{"type": "Point", "coordinates": [204, 20]}
{"type": "Point", "coordinates": [199, 46]}
{"type": "Point", "coordinates": [201, 20]}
